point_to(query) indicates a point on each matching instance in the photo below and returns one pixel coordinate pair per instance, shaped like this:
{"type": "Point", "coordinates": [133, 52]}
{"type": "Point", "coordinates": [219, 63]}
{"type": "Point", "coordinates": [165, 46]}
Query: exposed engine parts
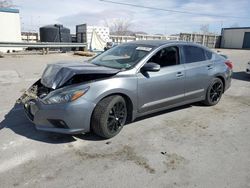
{"type": "Point", "coordinates": [37, 90]}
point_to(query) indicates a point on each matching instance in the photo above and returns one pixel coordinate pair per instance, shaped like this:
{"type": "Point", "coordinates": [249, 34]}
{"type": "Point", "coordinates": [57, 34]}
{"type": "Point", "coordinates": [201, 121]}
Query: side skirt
{"type": "Point", "coordinates": [168, 107]}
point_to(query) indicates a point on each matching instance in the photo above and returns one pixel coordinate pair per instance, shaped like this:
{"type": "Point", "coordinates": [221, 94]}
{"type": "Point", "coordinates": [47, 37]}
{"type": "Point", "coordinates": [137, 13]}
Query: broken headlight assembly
{"type": "Point", "coordinates": [65, 96]}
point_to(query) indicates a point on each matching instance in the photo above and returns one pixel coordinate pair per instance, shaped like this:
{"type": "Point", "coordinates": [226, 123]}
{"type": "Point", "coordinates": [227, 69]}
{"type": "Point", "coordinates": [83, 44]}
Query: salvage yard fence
{"type": "Point", "coordinates": [208, 40]}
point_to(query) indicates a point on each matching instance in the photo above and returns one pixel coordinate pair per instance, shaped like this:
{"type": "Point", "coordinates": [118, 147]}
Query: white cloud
{"type": "Point", "coordinates": [38, 13]}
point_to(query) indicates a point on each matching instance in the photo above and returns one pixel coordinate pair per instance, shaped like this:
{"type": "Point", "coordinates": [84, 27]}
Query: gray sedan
{"type": "Point", "coordinates": [125, 82]}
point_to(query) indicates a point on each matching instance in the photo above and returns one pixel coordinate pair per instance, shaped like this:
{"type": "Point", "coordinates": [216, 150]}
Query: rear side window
{"type": "Point", "coordinates": [208, 54]}
{"type": "Point", "coordinates": [194, 54]}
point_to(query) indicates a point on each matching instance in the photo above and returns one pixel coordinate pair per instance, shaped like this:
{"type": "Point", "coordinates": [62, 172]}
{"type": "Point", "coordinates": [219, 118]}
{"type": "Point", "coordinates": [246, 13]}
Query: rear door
{"type": "Point", "coordinates": [160, 89]}
{"type": "Point", "coordinates": [198, 70]}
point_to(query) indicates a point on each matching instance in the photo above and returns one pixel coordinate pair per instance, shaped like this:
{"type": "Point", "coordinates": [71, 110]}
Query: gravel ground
{"type": "Point", "coordinates": [190, 146]}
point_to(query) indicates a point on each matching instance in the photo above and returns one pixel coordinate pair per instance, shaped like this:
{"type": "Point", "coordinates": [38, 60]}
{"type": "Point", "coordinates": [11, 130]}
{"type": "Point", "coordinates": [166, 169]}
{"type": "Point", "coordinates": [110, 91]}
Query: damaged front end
{"type": "Point", "coordinates": [67, 73]}
{"type": "Point", "coordinates": [63, 74]}
{"type": "Point", "coordinates": [48, 102]}
{"type": "Point", "coordinates": [37, 90]}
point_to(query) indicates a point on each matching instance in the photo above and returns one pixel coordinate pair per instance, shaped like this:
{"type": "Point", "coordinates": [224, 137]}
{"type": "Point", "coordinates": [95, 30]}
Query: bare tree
{"type": "Point", "coordinates": [118, 26]}
{"type": "Point", "coordinates": [6, 4]}
{"type": "Point", "coordinates": [204, 28]}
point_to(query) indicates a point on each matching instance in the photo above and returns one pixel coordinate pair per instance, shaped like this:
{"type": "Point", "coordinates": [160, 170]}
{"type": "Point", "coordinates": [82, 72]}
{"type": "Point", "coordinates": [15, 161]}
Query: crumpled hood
{"type": "Point", "coordinates": [55, 75]}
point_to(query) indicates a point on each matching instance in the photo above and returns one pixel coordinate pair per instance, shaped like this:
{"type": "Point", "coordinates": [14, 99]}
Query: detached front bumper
{"type": "Point", "coordinates": [69, 118]}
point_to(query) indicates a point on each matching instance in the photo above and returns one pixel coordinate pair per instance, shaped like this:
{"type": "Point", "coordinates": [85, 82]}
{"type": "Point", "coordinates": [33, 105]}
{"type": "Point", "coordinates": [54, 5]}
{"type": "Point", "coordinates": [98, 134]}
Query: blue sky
{"type": "Point", "coordinates": [36, 13]}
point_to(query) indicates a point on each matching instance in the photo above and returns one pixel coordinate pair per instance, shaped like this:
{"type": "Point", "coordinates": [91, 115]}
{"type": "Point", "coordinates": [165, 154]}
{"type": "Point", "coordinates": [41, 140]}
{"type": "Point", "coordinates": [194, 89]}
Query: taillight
{"type": "Point", "coordinates": [229, 64]}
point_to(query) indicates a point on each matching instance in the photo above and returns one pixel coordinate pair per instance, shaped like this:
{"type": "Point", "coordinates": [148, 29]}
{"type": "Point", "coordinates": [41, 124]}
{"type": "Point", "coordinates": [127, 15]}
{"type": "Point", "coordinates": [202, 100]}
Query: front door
{"type": "Point", "coordinates": [163, 88]}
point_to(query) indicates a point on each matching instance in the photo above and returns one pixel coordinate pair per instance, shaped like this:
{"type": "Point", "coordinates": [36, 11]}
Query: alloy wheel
{"type": "Point", "coordinates": [117, 117]}
{"type": "Point", "coordinates": [216, 92]}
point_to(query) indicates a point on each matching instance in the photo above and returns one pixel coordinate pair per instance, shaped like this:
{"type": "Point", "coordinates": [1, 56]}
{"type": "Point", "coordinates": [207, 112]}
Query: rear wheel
{"type": "Point", "coordinates": [109, 116]}
{"type": "Point", "coordinates": [214, 92]}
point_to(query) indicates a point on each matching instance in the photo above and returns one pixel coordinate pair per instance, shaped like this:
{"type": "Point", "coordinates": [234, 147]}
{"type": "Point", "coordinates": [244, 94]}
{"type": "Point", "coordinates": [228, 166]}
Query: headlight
{"type": "Point", "coordinates": [65, 96]}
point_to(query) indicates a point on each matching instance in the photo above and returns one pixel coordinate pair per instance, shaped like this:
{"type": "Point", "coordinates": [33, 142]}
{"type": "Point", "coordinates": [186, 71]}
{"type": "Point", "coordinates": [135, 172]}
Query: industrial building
{"type": "Point", "coordinates": [208, 40]}
{"type": "Point", "coordinates": [84, 33]}
{"type": "Point", "coordinates": [121, 38]}
{"type": "Point", "coordinates": [118, 39]}
{"type": "Point", "coordinates": [236, 37]}
{"type": "Point", "coordinates": [10, 27]}
{"type": "Point", "coordinates": [30, 37]}
{"type": "Point", "coordinates": [211, 41]}
{"type": "Point", "coordinates": [54, 33]}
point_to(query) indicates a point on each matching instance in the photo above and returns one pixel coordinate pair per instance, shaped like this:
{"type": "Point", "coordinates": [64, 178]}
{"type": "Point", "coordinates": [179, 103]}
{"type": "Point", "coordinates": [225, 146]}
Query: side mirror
{"type": "Point", "coordinates": [151, 67]}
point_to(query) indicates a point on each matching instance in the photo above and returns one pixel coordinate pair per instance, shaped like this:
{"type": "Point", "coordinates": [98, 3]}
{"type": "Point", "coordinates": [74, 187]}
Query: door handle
{"type": "Point", "coordinates": [179, 74]}
{"type": "Point", "coordinates": [209, 67]}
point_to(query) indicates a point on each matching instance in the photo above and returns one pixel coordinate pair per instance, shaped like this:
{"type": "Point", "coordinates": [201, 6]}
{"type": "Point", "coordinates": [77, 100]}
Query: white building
{"type": "Point", "coordinates": [121, 39]}
{"type": "Point", "coordinates": [30, 37]}
{"type": "Point", "coordinates": [10, 27]}
{"type": "Point", "coordinates": [84, 33]}
{"type": "Point", "coordinates": [237, 37]}
{"type": "Point", "coordinates": [208, 40]}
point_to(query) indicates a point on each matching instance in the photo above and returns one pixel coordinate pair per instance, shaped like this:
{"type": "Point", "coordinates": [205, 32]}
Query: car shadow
{"type": "Point", "coordinates": [167, 111]}
{"type": "Point", "coordinates": [241, 76]}
{"type": "Point", "coordinates": [17, 121]}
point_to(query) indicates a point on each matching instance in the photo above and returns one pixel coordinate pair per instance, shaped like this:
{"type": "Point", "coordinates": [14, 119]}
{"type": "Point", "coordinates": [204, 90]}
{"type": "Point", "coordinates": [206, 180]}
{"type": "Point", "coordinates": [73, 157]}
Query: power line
{"type": "Point", "coordinates": [173, 11]}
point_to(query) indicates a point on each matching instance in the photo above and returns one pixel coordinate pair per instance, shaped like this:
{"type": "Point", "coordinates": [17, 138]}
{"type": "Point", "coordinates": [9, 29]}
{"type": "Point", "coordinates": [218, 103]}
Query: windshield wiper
{"type": "Point", "coordinates": [106, 66]}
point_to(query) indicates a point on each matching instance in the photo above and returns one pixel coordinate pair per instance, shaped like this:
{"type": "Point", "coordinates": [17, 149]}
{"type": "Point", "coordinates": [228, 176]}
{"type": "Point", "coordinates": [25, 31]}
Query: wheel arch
{"type": "Point", "coordinates": [128, 100]}
{"type": "Point", "coordinates": [223, 81]}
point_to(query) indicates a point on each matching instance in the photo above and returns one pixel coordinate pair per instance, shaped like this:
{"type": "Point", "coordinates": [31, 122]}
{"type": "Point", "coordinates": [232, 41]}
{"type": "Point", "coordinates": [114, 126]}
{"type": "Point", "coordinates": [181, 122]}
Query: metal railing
{"type": "Point", "coordinates": [42, 44]}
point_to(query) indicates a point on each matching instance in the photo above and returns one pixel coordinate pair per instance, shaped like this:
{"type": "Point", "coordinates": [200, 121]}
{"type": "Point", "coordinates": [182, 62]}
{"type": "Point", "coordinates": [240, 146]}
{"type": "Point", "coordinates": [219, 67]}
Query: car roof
{"type": "Point", "coordinates": [157, 43]}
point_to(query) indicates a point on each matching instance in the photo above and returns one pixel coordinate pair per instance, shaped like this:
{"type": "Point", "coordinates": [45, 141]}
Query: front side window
{"type": "Point", "coordinates": [194, 54]}
{"type": "Point", "coordinates": [124, 56]}
{"type": "Point", "coordinates": [166, 57]}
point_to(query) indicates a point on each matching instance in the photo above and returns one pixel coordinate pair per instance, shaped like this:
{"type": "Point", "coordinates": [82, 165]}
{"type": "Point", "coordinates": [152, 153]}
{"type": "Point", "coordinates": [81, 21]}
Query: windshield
{"type": "Point", "coordinates": [123, 56]}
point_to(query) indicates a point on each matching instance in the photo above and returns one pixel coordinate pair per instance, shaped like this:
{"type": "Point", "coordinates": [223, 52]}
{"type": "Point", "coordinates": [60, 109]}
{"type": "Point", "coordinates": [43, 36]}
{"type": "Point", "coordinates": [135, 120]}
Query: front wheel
{"type": "Point", "coordinates": [214, 92]}
{"type": "Point", "coordinates": [109, 116]}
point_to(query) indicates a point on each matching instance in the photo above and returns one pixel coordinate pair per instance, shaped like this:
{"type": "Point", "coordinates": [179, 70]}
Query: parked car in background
{"type": "Point", "coordinates": [128, 81]}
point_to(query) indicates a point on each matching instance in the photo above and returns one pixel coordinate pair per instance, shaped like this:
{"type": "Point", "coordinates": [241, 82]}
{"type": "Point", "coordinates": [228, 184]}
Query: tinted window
{"type": "Point", "coordinates": [166, 57]}
{"type": "Point", "coordinates": [194, 54]}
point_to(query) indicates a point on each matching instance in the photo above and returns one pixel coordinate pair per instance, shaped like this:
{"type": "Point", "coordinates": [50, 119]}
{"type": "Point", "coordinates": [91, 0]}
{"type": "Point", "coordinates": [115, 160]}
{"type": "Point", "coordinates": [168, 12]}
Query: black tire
{"type": "Point", "coordinates": [107, 121]}
{"type": "Point", "coordinates": [214, 92]}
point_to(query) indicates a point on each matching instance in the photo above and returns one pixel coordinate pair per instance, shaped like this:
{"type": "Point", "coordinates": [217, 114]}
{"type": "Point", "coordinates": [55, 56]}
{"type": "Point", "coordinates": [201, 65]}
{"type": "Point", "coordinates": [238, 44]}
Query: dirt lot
{"type": "Point", "coordinates": [190, 146]}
